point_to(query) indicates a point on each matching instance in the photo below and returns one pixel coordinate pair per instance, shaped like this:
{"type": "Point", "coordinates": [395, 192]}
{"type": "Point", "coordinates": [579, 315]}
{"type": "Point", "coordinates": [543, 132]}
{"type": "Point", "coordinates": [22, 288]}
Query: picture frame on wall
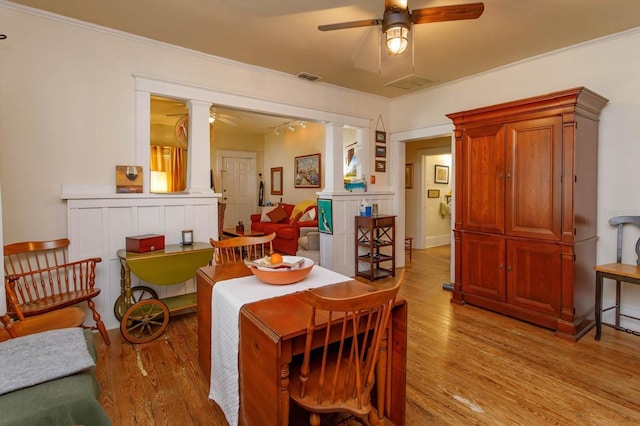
{"type": "Point", "coordinates": [408, 175]}
{"type": "Point", "coordinates": [381, 166]}
{"type": "Point", "coordinates": [433, 193]}
{"type": "Point", "coordinates": [381, 137]}
{"type": "Point", "coordinates": [441, 174]}
{"type": "Point", "coordinates": [307, 171]}
{"type": "Point", "coordinates": [128, 179]}
{"type": "Point", "coordinates": [381, 151]}
{"type": "Point", "coordinates": [276, 181]}
{"type": "Point", "coordinates": [325, 215]}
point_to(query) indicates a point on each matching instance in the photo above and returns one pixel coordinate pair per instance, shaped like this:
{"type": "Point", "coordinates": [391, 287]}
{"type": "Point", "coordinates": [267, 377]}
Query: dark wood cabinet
{"type": "Point", "coordinates": [525, 226]}
{"type": "Point", "coordinates": [375, 246]}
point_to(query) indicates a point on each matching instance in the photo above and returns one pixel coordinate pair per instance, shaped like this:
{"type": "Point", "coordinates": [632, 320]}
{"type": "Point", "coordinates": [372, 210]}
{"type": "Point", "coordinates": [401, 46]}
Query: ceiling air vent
{"type": "Point", "coordinates": [410, 82]}
{"type": "Point", "coordinates": [308, 76]}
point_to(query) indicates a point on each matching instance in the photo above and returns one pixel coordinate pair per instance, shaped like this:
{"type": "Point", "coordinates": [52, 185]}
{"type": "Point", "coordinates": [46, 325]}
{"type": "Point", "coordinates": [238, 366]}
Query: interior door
{"type": "Point", "coordinates": [238, 189]}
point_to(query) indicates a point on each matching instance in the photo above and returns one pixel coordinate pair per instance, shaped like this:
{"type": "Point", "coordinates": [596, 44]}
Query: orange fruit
{"type": "Point", "coordinates": [275, 258]}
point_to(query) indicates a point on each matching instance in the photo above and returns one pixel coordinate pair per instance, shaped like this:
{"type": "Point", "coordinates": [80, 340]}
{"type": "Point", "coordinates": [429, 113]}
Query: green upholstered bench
{"type": "Point", "coordinates": [70, 400]}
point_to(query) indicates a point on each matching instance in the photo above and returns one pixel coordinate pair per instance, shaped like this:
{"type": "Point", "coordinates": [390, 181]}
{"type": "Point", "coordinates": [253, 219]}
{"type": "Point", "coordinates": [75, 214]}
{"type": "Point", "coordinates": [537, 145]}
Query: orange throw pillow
{"type": "Point", "coordinates": [277, 215]}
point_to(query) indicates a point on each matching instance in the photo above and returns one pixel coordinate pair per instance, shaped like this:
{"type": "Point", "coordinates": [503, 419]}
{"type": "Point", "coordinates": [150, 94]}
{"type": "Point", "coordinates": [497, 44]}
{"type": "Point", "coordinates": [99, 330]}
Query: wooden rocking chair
{"type": "Point", "coordinates": [62, 318]}
{"type": "Point", "coordinates": [40, 279]}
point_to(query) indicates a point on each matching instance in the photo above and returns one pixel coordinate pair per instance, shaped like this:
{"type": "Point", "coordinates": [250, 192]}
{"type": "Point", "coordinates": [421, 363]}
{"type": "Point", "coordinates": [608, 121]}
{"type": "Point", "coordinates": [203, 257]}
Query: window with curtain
{"type": "Point", "coordinates": [169, 144]}
{"type": "Point", "coordinates": [168, 168]}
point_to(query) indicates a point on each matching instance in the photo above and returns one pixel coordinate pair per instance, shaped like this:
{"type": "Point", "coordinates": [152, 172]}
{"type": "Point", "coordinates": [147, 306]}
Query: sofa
{"type": "Point", "coordinates": [285, 220]}
{"type": "Point", "coordinates": [309, 244]}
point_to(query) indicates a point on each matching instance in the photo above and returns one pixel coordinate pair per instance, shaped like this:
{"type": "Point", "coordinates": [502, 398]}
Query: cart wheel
{"type": "Point", "coordinates": [138, 293]}
{"type": "Point", "coordinates": [144, 321]}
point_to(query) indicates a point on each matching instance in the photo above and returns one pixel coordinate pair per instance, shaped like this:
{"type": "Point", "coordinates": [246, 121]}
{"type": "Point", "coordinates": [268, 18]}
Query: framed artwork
{"type": "Point", "coordinates": [381, 137]}
{"type": "Point", "coordinates": [441, 174]}
{"type": "Point", "coordinates": [325, 216]}
{"type": "Point", "coordinates": [350, 161]}
{"type": "Point", "coordinates": [433, 193]}
{"type": "Point", "coordinates": [381, 151]}
{"type": "Point", "coordinates": [129, 179]}
{"type": "Point", "coordinates": [408, 175]}
{"type": "Point", "coordinates": [381, 166]}
{"type": "Point", "coordinates": [276, 181]}
{"type": "Point", "coordinates": [307, 171]}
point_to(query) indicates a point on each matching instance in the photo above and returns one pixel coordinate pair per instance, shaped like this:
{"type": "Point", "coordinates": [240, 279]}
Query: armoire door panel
{"type": "Point", "coordinates": [533, 185]}
{"type": "Point", "coordinates": [534, 276]}
{"type": "Point", "coordinates": [483, 184]}
{"type": "Point", "coordinates": [483, 269]}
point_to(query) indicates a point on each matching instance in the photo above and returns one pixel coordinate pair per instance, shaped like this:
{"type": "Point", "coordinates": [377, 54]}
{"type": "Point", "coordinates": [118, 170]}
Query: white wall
{"type": "Point", "coordinates": [609, 67]}
{"type": "Point", "coordinates": [438, 225]}
{"type": "Point", "coordinates": [68, 107]}
{"type": "Point", "coordinates": [281, 150]}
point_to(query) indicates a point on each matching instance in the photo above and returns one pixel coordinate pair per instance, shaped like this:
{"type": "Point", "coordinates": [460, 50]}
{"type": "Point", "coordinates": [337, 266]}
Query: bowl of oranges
{"type": "Point", "coordinates": [280, 270]}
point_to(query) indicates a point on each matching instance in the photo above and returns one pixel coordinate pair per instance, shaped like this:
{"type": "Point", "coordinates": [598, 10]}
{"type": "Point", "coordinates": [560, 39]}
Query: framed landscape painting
{"type": "Point", "coordinates": [307, 171]}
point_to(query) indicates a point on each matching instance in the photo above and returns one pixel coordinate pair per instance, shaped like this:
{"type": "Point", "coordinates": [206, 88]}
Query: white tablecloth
{"type": "Point", "coordinates": [227, 299]}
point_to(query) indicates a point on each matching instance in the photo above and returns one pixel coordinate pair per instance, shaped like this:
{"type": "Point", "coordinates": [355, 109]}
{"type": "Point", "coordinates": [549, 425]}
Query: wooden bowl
{"type": "Point", "coordinates": [284, 276]}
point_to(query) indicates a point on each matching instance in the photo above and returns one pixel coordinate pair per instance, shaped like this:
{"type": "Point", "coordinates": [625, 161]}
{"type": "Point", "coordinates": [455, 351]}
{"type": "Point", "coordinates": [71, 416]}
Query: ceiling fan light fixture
{"type": "Point", "coordinates": [397, 39]}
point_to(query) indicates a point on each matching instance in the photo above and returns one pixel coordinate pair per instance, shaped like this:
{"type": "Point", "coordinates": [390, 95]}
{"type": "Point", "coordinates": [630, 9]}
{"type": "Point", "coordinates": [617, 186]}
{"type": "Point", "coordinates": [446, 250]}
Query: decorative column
{"type": "Point", "coordinates": [334, 175]}
{"type": "Point", "coordinates": [199, 164]}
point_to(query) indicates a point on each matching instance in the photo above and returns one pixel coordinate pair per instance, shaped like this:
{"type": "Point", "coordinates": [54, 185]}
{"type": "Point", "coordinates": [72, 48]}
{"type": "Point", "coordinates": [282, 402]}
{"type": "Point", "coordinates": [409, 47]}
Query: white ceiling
{"type": "Point", "coordinates": [283, 35]}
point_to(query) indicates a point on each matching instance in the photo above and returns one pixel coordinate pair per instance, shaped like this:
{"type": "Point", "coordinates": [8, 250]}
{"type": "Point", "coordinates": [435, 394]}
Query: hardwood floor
{"type": "Point", "coordinates": [465, 366]}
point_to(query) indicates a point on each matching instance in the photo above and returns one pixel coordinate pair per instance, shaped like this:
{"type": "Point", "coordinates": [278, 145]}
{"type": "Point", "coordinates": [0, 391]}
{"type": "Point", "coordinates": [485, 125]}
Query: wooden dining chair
{"type": "Point", "coordinates": [619, 272]}
{"type": "Point", "coordinates": [338, 377]}
{"type": "Point", "coordinates": [237, 249]}
{"type": "Point", "coordinates": [41, 279]}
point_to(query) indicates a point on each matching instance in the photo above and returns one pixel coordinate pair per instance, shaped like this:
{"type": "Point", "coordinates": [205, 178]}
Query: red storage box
{"type": "Point", "coordinates": [145, 243]}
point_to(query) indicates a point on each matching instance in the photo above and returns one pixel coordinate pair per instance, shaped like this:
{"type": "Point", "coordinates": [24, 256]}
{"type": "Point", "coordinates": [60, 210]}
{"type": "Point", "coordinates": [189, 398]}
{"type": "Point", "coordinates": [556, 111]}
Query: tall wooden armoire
{"type": "Point", "coordinates": [525, 225]}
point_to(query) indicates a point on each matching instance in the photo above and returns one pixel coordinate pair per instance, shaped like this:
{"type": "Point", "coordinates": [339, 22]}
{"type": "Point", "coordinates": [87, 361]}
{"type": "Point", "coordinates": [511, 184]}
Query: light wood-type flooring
{"type": "Point", "coordinates": [465, 366]}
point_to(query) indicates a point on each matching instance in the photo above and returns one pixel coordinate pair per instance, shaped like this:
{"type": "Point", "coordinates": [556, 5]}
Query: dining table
{"type": "Point", "coordinates": [250, 332]}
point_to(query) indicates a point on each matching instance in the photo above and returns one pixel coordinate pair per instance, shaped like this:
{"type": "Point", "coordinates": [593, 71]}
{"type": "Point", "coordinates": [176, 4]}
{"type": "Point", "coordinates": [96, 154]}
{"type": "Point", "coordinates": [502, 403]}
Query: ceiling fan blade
{"type": "Point", "coordinates": [447, 13]}
{"type": "Point", "coordinates": [353, 24]}
{"type": "Point", "coordinates": [228, 121]}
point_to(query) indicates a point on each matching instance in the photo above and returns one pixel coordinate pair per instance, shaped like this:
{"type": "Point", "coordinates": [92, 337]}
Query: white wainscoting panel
{"type": "Point", "coordinates": [98, 225]}
{"type": "Point", "coordinates": [337, 250]}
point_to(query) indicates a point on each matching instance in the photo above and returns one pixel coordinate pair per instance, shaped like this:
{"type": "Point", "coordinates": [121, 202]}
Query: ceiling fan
{"type": "Point", "coordinates": [397, 20]}
{"type": "Point", "coordinates": [213, 117]}
{"type": "Point", "coordinates": [225, 118]}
